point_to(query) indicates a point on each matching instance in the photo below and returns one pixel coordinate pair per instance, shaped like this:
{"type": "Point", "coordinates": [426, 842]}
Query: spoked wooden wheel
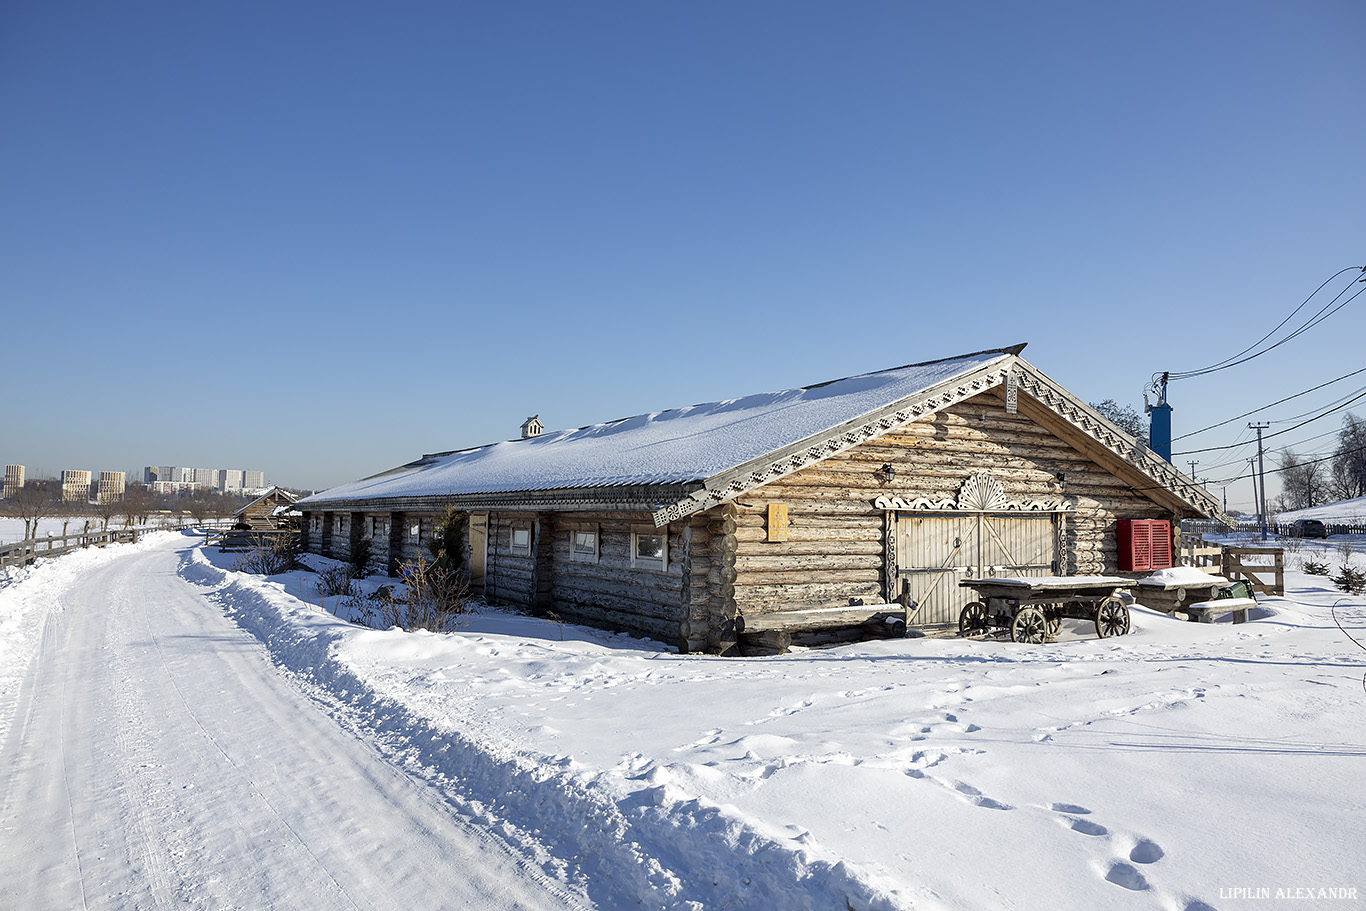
{"type": "Point", "coordinates": [1030, 626]}
{"type": "Point", "coordinates": [972, 621]}
{"type": "Point", "coordinates": [1112, 618]}
{"type": "Point", "coordinates": [1054, 626]}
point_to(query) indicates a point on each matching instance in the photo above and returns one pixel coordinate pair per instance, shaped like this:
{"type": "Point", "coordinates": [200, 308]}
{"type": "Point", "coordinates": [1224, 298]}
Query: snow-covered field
{"type": "Point", "coordinates": [1341, 511]}
{"type": "Point", "coordinates": [1182, 767]}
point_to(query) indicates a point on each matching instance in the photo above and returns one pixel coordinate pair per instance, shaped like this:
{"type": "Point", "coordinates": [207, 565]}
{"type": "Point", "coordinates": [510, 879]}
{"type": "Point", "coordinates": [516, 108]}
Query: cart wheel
{"type": "Point", "coordinates": [1112, 618]}
{"type": "Point", "coordinates": [1054, 626]}
{"type": "Point", "coordinates": [973, 620]}
{"type": "Point", "coordinates": [1030, 626]}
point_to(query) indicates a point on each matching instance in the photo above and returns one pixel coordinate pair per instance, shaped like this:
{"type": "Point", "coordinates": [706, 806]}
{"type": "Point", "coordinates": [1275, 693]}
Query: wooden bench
{"type": "Point", "coordinates": [1209, 611]}
{"type": "Point", "coordinates": [771, 633]}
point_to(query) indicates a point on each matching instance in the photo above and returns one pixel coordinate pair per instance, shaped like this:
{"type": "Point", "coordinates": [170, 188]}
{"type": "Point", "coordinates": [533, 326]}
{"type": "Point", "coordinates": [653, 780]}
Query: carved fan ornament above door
{"type": "Point", "coordinates": [979, 493]}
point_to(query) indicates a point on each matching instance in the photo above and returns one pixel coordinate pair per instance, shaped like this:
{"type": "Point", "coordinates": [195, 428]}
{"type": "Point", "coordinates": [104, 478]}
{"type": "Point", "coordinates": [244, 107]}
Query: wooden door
{"type": "Point", "coordinates": [935, 553]}
{"type": "Point", "coordinates": [1016, 545]}
{"type": "Point", "coordinates": [479, 550]}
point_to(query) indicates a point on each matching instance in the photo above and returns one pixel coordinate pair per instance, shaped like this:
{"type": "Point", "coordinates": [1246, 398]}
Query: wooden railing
{"type": "Point", "coordinates": [31, 549]}
{"type": "Point", "coordinates": [1237, 564]}
{"type": "Point", "coordinates": [1265, 578]}
{"type": "Point", "coordinates": [243, 538]}
{"type": "Point", "coordinates": [24, 552]}
{"type": "Point", "coordinates": [1205, 557]}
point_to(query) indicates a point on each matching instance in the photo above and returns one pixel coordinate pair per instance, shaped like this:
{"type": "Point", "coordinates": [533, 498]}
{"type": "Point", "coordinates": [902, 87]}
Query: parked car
{"type": "Point", "coordinates": [1310, 528]}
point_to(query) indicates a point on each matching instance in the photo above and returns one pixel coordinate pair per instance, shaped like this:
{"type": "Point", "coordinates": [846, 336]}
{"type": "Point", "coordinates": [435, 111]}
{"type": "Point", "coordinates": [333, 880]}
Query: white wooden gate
{"type": "Point", "coordinates": [936, 552]}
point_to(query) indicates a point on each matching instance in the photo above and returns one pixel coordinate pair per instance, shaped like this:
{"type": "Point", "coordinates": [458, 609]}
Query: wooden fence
{"type": "Point", "coordinates": [1280, 529]}
{"type": "Point", "coordinates": [24, 552]}
{"type": "Point", "coordinates": [1262, 568]}
{"type": "Point", "coordinates": [244, 538]}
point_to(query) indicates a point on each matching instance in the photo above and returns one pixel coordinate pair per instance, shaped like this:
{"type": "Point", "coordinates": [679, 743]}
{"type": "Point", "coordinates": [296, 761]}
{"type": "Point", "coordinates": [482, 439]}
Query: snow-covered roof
{"type": "Point", "coordinates": [274, 493]}
{"type": "Point", "coordinates": [678, 462]}
{"type": "Point", "coordinates": [663, 448]}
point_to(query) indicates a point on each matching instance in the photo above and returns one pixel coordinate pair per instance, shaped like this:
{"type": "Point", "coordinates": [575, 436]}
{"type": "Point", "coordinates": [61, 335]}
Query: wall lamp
{"type": "Point", "coordinates": [887, 473]}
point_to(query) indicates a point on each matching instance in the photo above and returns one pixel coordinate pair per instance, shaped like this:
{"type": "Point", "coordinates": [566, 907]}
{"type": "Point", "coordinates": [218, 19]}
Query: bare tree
{"type": "Point", "coordinates": [1349, 461]}
{"type": "Point", "coordinates": [31, 503]}
{"type": "Point", "coordinates": [1303, 484]}
{"type": "Point", "coordinates": [106, 511]}
{"type": "Point", "coordinates": [138, 503]}
{"type": "Point", "coordinates": [1125, 417]}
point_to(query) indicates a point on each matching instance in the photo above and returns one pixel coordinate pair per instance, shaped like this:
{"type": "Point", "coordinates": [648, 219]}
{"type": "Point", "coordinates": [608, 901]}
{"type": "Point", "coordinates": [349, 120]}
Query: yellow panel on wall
{"type": "Point", "coordinates": [777, 521]}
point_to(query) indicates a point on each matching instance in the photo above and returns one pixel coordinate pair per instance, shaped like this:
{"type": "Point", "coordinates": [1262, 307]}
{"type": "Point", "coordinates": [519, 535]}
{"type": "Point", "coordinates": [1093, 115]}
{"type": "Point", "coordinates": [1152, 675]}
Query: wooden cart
{"type": "Point", "coordinates": [1033, 608]}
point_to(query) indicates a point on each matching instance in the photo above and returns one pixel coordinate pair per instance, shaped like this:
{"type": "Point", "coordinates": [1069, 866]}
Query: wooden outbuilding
{"type": "Point", "coordinates": [273, 509]}
{"type": "Point", "coordinates": [838, 504]}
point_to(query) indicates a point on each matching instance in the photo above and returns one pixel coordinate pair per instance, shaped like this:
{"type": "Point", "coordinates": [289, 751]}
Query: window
{"type": "Point", "coordinates": [378, 526]}
{"type": "Point", "coordinates": [415, 531]}
{"type": "Point", "coordinates": [650, 548]}
{"type": "Point", "coordinates": [521, 541]}
{"type": "Point", "coordinates": [583, 544]}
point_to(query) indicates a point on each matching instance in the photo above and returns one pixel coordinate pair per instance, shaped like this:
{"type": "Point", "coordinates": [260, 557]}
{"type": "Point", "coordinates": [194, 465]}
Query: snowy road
{"type": "Point", "coordinates": [156, 758]}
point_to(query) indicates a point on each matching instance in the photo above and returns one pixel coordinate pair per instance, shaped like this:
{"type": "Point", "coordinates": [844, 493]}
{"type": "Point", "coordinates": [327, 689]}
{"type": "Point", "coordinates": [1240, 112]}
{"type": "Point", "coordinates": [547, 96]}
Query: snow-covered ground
{"type": "Point", "coordinates": [1183, 766]}
{"type": "Point", "coordinates": [12, 530]}
{"type": "Point", "coordinates": [1342, 511]}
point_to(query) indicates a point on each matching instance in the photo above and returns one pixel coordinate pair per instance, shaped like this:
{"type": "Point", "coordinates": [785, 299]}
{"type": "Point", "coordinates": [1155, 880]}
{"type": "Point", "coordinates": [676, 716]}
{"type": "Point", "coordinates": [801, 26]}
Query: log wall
{"type": "Point", "coordinates": [835, 549]}
{"type": "Point", "coordinates": [721, 562]}
{"type": "Point", "coordinates": [609, 591]}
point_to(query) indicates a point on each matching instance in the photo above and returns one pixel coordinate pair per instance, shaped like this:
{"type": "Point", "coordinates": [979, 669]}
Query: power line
{"type": "Point", "coordinates": [1272, 405]}
{"type": "Point", "coordinates": [1325, 414]}
{"type": "Point", "coordinates": [1243, 356]}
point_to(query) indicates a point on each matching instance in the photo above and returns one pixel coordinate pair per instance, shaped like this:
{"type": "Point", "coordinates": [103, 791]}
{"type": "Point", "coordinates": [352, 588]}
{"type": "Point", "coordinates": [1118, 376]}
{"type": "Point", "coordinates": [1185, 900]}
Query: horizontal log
{"type": "Point", "coordinates": [820, 618]}
{"type": "Point", "coordinates": [812, 564]}
{"type": "Point", "coordinates": [769, 596]}
{"type": "Point", "coordinates": [752, 578]}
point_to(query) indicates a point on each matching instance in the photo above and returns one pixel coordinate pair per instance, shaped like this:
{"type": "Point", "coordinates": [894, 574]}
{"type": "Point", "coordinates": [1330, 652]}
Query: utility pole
{"type": "Point", "coordinates": [1261, 472]}
{"type": "Point", "coordinates": [1192, 463]}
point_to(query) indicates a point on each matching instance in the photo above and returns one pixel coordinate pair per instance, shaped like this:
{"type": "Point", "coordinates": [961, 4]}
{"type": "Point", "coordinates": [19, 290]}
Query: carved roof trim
{"type": "Point", "coordinates": [1028, 379]}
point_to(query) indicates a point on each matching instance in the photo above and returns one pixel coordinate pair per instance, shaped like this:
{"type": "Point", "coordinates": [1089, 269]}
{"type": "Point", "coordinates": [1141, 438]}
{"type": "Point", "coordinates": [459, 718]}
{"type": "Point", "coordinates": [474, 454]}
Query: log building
{"type": "Point", "coordinates": [692, 525]}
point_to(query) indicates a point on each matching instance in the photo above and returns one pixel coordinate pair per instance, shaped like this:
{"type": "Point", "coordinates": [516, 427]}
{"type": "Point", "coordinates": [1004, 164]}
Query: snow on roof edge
{"type": "Point", "coordinates": [664, 448]}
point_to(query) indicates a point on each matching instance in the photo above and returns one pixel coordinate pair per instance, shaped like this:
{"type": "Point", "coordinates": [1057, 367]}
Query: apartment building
{"type": "Point", "coordinates": [14, 479]}
{"type": "Point", "coordinates": [109, 487]}
{"type": "Point", "coordinates": [75, 486]}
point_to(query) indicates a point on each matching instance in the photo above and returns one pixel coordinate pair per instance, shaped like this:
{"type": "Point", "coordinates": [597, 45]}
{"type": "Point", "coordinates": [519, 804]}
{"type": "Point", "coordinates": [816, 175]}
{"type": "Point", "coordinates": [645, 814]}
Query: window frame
{"type": "Point", "coordinates": [584, 556]}
{"type": "Point", "coordinates": [520, 550]}
{"type": "Point", "coordinates": [658, 564]}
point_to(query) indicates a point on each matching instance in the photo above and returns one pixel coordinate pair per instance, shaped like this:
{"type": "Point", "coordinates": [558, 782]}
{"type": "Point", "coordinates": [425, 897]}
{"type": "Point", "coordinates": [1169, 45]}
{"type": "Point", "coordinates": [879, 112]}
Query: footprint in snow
{"type": "Point", "coordinates": [1146, 852]}
{"type": "Point", "coordinates": [1087, 827]}
{"type": "Point", "coordinates": [978, 798]}
{"type": "Point", "coordinates": [1122, 874]}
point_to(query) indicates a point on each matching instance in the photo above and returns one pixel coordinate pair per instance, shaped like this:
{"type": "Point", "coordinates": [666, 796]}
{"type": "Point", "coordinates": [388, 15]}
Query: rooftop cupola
{"type": "Point", "coordinates": [532, 427]}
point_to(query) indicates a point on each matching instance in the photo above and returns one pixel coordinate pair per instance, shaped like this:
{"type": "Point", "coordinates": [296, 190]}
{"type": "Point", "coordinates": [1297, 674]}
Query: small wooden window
{"type": "Point", "coordinates": [650, 548]}
{"type": "Point", "coordinates": [583, 545]}
{"type": "Point", "coordinates": [378, 526]}
{"type": "Point", "coordinates": [415, 531]}
{"type": "Point", "coordinates": [521, 541]}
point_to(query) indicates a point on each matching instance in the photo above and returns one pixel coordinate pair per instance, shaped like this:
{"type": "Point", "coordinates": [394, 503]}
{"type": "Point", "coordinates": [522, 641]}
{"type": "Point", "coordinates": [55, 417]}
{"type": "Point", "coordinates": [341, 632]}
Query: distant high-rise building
{"type": "Point", "coordinates": [75, 486]}
{"type": "Point", "coordinates": [154, 473]}
{"type": "Point", "coordinates": [14, 479]}
{"type": "Point", "coordinates": [225, 479]}
{"type": "Point", "coordinates": [109, 488]}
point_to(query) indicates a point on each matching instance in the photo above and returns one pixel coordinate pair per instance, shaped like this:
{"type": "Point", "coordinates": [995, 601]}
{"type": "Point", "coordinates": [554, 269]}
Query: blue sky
{"type": "Point", "coordinates": [324, 238]}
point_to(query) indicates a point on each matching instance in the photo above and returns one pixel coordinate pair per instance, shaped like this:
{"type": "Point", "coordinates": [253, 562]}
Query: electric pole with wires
{"type": "Point", "coordinates": [1261, 473]}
